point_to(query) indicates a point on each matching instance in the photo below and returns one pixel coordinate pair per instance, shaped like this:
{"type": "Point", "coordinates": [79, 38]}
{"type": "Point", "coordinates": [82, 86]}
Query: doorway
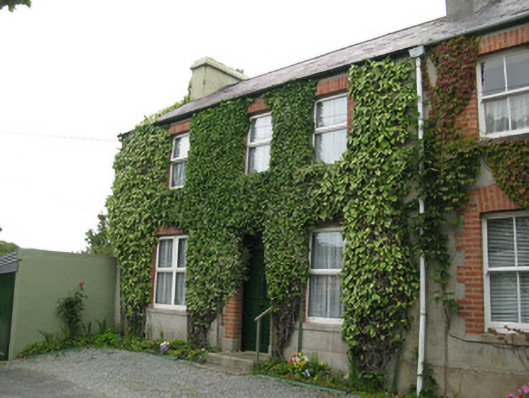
{"type": "Point", "coordinates": [255, 298]}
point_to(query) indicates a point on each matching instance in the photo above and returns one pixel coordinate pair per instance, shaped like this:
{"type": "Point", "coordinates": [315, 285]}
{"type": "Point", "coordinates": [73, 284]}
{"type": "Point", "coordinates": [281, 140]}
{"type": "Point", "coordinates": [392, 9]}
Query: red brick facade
{"type": "Point", "coordinates": [231, 318]}
{"type": "Point", "coordinates": [469, 239]}
{"type": "Point", "coordinates": [482, 200]}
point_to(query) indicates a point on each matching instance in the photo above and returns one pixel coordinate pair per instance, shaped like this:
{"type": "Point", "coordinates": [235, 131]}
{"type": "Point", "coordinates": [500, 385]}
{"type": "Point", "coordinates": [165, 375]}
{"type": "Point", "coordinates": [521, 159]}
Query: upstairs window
{"type": "Point", "coordinates": [324, 282]}
{"type": "Point", "coordinates": [170, 273]}
{"type": "Point", "coordinates": [504, 94]}
{"type": "Point", "coordinates": [259, 139]}
{"type": "Point", "coordinates": [330, 137]}
{"type": "Point", "coordinates": [179, 160]}
{"type": "Point", "coordinates": [506, 255]}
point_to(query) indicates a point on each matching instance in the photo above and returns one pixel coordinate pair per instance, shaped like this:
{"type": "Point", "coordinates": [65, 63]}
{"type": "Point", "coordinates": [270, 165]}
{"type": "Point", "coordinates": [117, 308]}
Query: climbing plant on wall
{"type": "Point", "coordinates": [379, 278]}
{"type": "Point", "coordinates": [509, 161]}
{"type": "Point", "coordinates": [451, 159]}
{"type": "Point", "coordinates": [135, 209]}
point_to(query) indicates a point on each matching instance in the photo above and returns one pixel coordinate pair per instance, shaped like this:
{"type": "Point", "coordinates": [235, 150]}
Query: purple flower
{"type": "Point", "coordinates": [509, 396]}
{"type": "Point", "coordinates": [525, 389]}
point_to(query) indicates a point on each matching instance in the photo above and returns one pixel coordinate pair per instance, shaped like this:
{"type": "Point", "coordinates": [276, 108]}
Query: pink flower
{"type": "Point", "coordinates": [525, 389]}
{"type": "Point", "coordinates": [81, 284]}
{"type": "Point", "coordinates": [509, 396]}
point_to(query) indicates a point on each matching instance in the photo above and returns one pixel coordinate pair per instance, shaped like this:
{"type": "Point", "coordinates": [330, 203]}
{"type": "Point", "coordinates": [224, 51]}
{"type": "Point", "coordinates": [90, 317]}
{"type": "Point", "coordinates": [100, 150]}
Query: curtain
{"type": "Point", "coordinates": [330, 146]}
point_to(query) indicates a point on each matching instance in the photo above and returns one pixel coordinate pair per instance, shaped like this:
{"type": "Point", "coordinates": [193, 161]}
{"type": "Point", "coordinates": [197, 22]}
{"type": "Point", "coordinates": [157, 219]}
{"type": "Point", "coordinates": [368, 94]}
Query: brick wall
{"type": "Point", "coordinates": [231, 318]}
{"type": "Point", "coordinates": [469, 239]}
{"type": "Point", "coordinates": [482, 200]}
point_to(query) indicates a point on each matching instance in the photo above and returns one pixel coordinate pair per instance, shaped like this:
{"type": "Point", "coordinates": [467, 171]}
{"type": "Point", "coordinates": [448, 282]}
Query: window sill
{"type": "Point", "coordinates": [324, 326]}
{"type": "Point", "coordinates": [181, 310]}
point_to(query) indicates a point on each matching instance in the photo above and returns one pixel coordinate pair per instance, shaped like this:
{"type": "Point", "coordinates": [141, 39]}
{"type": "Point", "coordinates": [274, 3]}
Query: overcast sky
{"type": "Point", "coordinates": [76, 73]}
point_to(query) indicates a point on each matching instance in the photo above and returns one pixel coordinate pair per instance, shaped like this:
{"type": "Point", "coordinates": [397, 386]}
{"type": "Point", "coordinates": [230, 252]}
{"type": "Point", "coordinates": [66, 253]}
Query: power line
{"type": "Point", "coordinates": [61, 137]}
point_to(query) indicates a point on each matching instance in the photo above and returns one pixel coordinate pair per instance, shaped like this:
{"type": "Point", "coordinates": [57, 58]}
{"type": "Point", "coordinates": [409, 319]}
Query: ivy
{"type": "Point", "coordinates": [509, 161]}
{"type": "Point", "coordinates": [208, 210]}
{"type": "Point", "coordinates": [379, 278]}
{"type": "Point", "coordinates": [135, 209]}
{"type": "Point", "coordinates": [451, 159]}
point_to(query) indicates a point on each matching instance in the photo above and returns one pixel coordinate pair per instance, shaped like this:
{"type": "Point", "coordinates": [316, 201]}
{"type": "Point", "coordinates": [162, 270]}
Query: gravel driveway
{"type": "Point", "coordinates": [95, 373]}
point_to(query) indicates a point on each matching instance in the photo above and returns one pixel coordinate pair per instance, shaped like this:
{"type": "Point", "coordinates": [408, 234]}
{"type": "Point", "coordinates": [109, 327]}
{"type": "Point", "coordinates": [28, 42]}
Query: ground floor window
{"type": "Point", "coordinates": [324, 301]}
{"type": "Point", "coordinates": [506, 267]}
{"type": "Point", "coordinates": [170, 272]}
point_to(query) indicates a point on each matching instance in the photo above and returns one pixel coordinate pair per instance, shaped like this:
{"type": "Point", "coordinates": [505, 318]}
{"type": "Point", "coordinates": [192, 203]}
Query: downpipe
{"type": "Point", "coordinates": [416, 53]}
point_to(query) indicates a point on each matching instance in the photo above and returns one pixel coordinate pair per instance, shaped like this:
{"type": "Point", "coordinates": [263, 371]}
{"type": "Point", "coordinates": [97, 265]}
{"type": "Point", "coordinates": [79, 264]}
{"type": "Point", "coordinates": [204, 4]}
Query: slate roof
{"type": "Point", "coordinates": [8, 262]}
{"type": "Point", "coordinates": [494, 16]}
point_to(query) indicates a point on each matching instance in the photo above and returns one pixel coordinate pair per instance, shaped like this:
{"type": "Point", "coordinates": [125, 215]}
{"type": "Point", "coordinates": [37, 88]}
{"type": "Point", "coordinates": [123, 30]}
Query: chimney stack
{"type": "Point", "coordinates": [210, 76]}
{"type": "Point", "coordinates": [461, 9]}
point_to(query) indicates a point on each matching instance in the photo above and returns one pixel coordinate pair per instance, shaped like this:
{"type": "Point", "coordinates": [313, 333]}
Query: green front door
{"type": "Point", "coordinates": [255, 299]}
{"type": "Point", "coordinates": [7, 288]}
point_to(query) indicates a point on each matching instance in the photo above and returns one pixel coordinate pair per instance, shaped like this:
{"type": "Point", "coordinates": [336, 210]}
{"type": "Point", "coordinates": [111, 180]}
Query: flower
{"type": "Point", "coordinates": [81, 284]}
{"type": "Point", "coordinates": [322, 363]}
{"type": "Point", "coordinates": [164, 346]}
{"type": "Point", "coordinates": [306, 373]}
{"type": "Point", "coordinates": [525, 389]}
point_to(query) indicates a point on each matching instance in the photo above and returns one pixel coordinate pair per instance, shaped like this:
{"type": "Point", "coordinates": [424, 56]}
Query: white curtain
{"type": "Point", "coordinates": [259, 159]}
{"type": "Point", "coordinates": [330, 146]}
{"type": "Point", "coordinates": [164, 287]}
{"type": "Point", "coordinates": [178, 174]}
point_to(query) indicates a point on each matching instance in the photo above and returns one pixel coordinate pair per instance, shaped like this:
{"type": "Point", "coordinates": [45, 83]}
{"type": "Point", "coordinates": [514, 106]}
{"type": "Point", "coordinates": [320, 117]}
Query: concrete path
{"type": "Point", "coordinates": [94, 373]}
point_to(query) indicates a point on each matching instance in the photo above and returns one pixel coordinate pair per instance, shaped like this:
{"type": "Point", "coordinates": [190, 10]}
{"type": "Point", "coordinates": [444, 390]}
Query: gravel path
{"type": "Point", "coordinates": [121, 374]}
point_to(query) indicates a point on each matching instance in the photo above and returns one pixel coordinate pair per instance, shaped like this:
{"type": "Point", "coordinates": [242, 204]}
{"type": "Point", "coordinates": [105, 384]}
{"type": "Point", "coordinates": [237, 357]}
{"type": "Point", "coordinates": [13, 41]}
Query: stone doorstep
{"type": "Point", "coordinates": [234, 362]}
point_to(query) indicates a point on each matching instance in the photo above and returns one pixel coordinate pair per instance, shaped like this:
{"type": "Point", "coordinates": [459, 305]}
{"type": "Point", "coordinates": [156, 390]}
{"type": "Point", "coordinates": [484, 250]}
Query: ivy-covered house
{"type": "Point", "coordinates": [375, 198]}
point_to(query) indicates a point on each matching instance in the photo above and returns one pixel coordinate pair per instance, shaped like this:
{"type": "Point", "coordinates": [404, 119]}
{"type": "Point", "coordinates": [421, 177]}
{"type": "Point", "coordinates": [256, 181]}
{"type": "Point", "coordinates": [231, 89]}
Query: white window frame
{"type": "Point", "coordinates": [174, 269]}
{"type": "Point", "coordinates": [180, 159]}
{"type": "Point", "coordinates": [328, 129]}
{"type": "Point", "coordinates": [506, 94]}
{"type": "Point", "coordinates": [256, 144]}
{"type": "Point", "coordinates": [335, 271]}
{"type": "Point", "coordinates": [489, 324]}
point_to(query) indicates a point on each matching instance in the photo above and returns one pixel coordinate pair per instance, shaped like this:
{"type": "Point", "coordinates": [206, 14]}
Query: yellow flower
{"type": "Point", "coordinates": [322, 363]}
{"type": "Point", "coordinates": [299, 354]}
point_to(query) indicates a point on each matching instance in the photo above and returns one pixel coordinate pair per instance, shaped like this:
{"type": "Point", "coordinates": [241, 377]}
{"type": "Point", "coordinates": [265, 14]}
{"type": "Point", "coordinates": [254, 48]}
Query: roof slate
{"type": "Point", "coordinates": [501, 13]}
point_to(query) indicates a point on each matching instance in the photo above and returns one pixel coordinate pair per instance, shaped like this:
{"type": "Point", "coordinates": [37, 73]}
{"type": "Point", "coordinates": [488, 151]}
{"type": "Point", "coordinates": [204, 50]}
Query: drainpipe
{"type": "Point", "coordinates": [416, 53]}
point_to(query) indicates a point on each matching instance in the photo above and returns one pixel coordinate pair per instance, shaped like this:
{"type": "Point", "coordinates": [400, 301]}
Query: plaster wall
{"type": "Point", "coordinates": [43, 278]}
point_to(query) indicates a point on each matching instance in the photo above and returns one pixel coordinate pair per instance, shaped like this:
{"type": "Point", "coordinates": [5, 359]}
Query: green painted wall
{"type": "Point", "coordinates": [43, 278]}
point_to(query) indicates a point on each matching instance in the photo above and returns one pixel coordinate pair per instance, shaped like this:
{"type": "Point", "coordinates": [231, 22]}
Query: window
{"type": "Point", "coordinates": [179, 160]}
{"type": "Point", "coordinates": [330, 138]}
{"type": "Point", "coordinates": [170, 273]}
{"type": "Point", "coordinates": [259, 138]}
{"type": "Point", "coordinates": [506, 255]}
{"type": "Point", "coordinates": [504, 94]}
{"type": "Point", "coordinates": [324, 280]}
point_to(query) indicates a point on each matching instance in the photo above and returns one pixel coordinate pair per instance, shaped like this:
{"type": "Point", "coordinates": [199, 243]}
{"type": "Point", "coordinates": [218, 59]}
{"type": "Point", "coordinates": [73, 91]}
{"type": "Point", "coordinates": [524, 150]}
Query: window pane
{"type": "Point", "coordinates": [259, 159]}
{"type": "Point", "coordinates": [522, 240]}
{"type": "Point", "coordinates": [524, 296]}
{"type": "Point", "coordinates": [178, 174]}
{"type": "Point", "coordinates": [324, 296]}
{"type": "Point", "coordinates": [503, 297]}
{"type": "Point", "coordinates": [493, 77]}
{"type": "Point", "coordinates": [335, 306]}
{"type": "Point", "coordinates": [331, 112]}
{"type": "Point", "coordinates": [500, 242]}
{"type": "Point", "coordinates": [180, 291]}
{"type": "Point", "coordinates": [181, 147]}
{"type": "Point", "coordinates": [164, 285]}
{"type": "Point", "coordinates": [182, 245]}
{"type": "Point", "coordinates": [517, 70]}
{"type": "Point", "coordinates": [496, 116]}
{"type": "Point", "coordinates": [331, 145]}
{"type": "Point", "coordinates": [327, 250]}
{"type": "Point", "coordinates": [519, 111]}
{"type": "Point", "coordinates": [317, 296]}
{"type": "Point", "coordinates": [261, 129]}
{"type": "Point", "coordinates": [165, 253]}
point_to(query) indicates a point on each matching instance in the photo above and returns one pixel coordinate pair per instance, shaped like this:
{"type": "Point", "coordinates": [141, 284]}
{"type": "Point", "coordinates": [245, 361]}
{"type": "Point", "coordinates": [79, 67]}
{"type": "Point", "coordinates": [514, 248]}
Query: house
{"type": "Point", "coordinates": [277, 191]}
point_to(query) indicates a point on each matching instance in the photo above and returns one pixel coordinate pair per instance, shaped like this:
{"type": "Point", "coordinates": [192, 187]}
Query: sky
{"type": "Point", "coordinates": [74, 74]}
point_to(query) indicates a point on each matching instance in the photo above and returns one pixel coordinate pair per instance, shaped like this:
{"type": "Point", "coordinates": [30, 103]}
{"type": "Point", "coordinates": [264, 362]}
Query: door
{"type": "Point", "coordinates": [255, 299]}
{"type": "Point", "coordinates": [7, 288]}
